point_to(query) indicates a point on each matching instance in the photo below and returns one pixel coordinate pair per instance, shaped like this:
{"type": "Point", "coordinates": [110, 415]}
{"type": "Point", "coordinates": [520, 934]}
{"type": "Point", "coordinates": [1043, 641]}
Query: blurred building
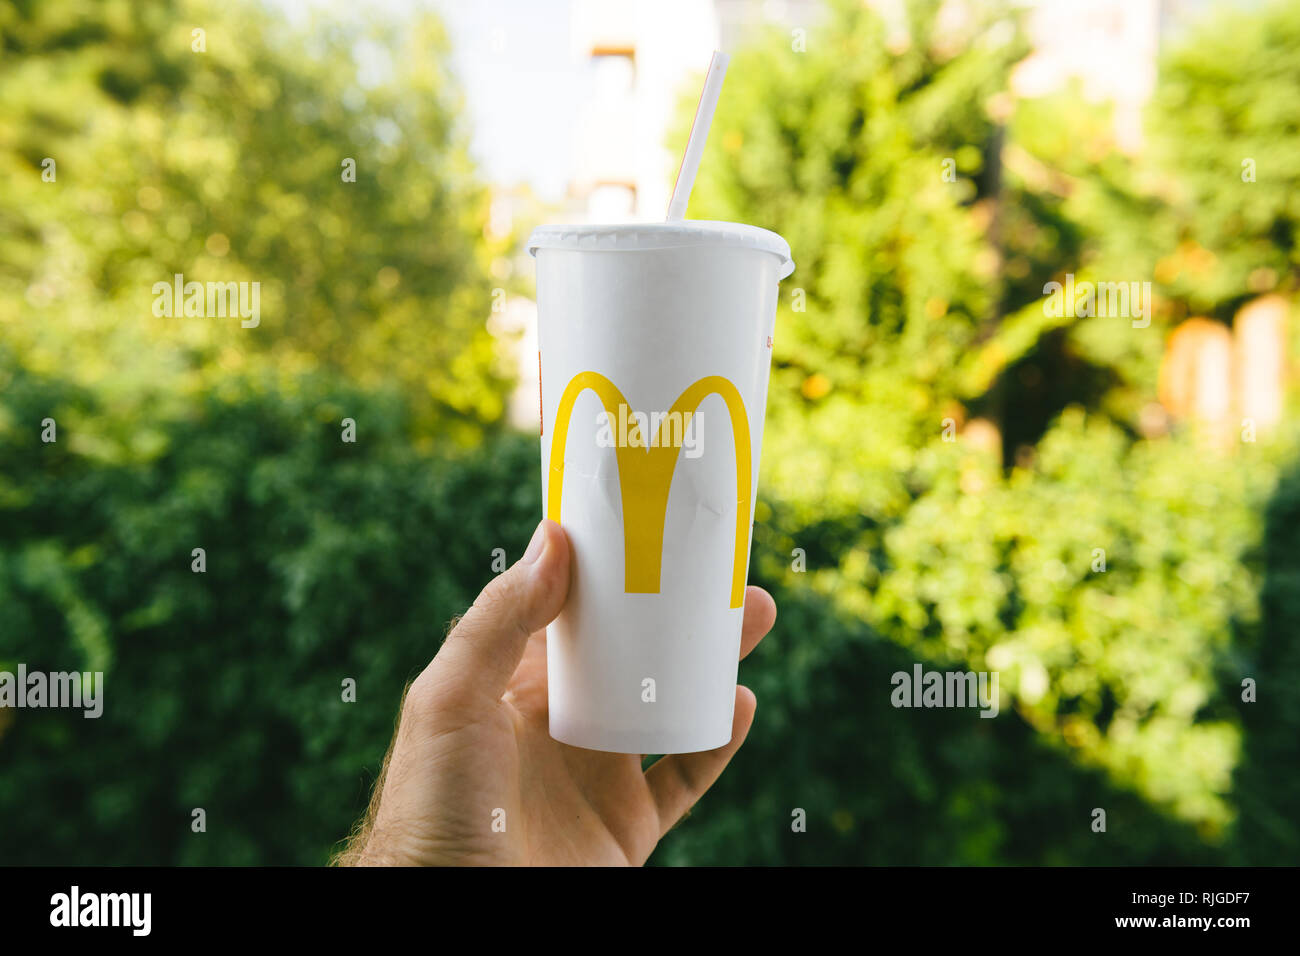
{"type": "Point", "coordinates": [1110, 47]}
{"type": "Point", "coordinates": [640, 58]}
{"type": "Point", "coordinates": [1230, 383]}
{"type": "Point", "coordinates": [634, 57]}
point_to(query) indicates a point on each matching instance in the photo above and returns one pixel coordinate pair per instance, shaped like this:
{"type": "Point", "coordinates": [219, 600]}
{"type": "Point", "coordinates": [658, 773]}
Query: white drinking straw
{"type": "Point", "coordinates": [699, 133]}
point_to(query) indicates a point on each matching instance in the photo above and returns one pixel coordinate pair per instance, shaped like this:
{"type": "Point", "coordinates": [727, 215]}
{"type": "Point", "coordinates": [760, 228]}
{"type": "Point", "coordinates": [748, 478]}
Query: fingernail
{"type": "Point", "coordinates": [535, 545]}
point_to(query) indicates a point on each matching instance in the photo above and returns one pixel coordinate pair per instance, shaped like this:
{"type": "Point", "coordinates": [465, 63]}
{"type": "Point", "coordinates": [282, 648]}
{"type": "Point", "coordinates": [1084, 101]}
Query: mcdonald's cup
{"type": "Point", "coordinates": [655, 348]}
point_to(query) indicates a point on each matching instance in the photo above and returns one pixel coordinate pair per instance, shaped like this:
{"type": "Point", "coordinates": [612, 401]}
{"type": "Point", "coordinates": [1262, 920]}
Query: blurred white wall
{"type": "Point", "coordinates": [635, 58]}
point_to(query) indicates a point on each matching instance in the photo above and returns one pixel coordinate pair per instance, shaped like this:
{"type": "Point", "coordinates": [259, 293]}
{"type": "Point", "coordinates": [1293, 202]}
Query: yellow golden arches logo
{"type": "Point", "coordinates": [646, 476]}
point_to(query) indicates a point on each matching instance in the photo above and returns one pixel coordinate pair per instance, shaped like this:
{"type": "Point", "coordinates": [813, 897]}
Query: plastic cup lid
{"type": "Point", "coordinates": [661, 235]}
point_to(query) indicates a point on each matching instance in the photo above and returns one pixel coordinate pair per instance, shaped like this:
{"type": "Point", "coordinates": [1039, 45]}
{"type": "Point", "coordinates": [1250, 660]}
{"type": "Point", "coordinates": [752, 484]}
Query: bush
{"type": "Point", "coordinates": [325, 561]}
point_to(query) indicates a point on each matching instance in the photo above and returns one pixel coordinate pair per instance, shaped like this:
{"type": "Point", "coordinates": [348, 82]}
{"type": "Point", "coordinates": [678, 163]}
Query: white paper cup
{"type": "Point", "coordinates": [652, 318]}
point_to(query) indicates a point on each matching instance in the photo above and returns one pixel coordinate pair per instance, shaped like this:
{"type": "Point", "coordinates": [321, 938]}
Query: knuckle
{"type": "Point", "coordinates": [497, 607]}
{"type": "Point", "coordinates": [419, 697]}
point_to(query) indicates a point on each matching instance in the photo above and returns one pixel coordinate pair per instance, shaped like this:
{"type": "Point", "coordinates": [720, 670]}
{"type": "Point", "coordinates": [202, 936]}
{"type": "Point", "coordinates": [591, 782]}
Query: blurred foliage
{"type": "Point", "coordinates": [325, 560]}
{"type": "Point", "coordinates": [917, 300]}
{"type": "Point", "coordinates": [841, 149]}
{"type": "Point", "coordinates": [1227, 123]}
{"type": "Point", "coordinates": [227, 164]}
{"type": "Point", "coordinates": [924, 305]}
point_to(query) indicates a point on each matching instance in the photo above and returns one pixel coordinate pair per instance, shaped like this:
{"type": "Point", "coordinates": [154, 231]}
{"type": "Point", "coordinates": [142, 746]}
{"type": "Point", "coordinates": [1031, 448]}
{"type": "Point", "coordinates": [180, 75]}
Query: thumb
{"type": "Point", "coordinates": [484, 648]}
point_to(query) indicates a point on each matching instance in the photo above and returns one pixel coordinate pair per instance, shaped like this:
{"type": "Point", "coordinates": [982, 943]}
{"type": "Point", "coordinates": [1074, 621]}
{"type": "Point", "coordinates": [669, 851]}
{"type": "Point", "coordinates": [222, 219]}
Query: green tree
{"type": "Point", "coordinates": [227, 155]}
{"type": "Point", "coordinates": [871, 155]}
{"type": "Point", "coordinates": [1227, 123]}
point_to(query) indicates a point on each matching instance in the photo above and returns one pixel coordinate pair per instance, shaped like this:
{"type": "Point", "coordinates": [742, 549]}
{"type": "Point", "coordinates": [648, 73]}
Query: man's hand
{"type": "Point", "coordinates": [472, 744]}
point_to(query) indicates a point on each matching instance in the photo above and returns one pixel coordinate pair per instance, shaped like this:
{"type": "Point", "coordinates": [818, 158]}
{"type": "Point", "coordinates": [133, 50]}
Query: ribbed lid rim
{"type": "Point", "coordinates": [660, 235]}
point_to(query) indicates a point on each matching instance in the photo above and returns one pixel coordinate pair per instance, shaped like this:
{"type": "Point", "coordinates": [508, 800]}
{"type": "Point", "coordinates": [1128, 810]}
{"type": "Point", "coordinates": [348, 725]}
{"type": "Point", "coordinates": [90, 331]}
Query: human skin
{"type": "Point", "coordinates": [472, 748]}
